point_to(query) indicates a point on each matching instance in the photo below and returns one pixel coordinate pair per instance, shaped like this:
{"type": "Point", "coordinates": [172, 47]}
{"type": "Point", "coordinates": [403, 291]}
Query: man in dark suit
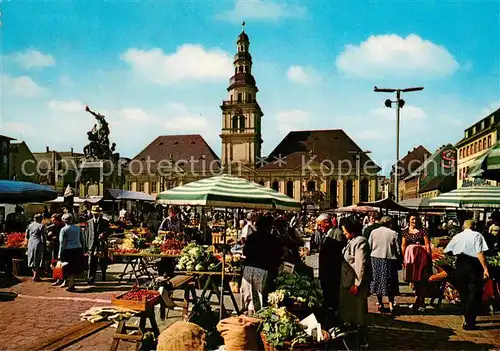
{"type": "Point", "coordinates": [96, 243]}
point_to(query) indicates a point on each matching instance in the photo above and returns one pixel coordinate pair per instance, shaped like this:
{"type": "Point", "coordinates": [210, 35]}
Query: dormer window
{"type": "Point", "coordinates": [176, 143]}
{"type": "Point", "coordinates": [161, 144]}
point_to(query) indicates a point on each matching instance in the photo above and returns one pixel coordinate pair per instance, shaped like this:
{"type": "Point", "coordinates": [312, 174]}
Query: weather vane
{"type": "Point", "coordinates": [243, 26]}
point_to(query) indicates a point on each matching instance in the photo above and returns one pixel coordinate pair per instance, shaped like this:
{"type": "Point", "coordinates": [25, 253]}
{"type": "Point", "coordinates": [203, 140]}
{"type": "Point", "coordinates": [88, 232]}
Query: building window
{"type": "Point", "coordinates": [242, 122]}
{"type": "Point", "coordinates": [311, 185]}
{"type": "Point", "coordinates": [240, 69]}
{"type": "Point", "coordinates": [484, 143]}
{"type": "Point", "coordinates": [475, 147]}
{"type": "Point", "coordinates": [154, 187]}
{"type": "Point", "coordinates": [249, 98]}
{"type": "Point", "coordinates": [489, 141]}
{"type": "Point", "coordinates": [235, 122]}
{"type": "Point", "coordinates": [349, 191]}
{"type": "Point", "coordinates": [468, 151]}
{"type": "Point", "coordinates": [276, 185]}
{"type": "Point", "coordinates": [261, 182]}
{"type": "Point", "coordinates": [364, 190]}
{"type": "Point", "coordinates": [289, 188]}
{"type": "Point", "coordinates": [461, 153]}
{"type": "Point", "coordinates": [240, 97]}
{"type": "Point", "coordinates": [140, 186]}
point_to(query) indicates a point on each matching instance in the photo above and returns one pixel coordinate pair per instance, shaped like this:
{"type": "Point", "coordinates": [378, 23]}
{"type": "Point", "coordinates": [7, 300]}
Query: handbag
{"type": "Point", "coordinates": [57, 273]}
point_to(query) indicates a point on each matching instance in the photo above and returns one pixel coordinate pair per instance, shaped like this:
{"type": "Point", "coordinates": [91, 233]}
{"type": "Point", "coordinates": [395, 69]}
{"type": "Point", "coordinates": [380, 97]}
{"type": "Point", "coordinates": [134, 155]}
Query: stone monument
{"type": "Point", "coordinates": [100, 168]}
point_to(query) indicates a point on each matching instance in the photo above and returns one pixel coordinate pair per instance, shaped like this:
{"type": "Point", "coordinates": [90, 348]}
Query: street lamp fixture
{"type": "Point", "coordinates": [399, 105]}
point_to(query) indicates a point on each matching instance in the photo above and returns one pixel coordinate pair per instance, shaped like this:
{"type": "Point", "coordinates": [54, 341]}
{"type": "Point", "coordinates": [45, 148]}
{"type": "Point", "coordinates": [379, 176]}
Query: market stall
{"type": "Point", "coordinates": [227, 192]}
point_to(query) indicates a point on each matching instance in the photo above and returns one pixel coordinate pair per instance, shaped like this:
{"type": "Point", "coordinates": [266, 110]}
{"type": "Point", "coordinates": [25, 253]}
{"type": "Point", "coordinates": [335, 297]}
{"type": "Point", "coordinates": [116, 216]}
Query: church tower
{"type": "Point", "coordinates": [241, 114]}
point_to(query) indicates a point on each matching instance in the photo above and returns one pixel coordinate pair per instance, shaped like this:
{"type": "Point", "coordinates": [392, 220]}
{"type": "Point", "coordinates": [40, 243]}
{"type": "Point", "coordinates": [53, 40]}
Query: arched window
{"type": "Point", "coordinates": [333, 194]}
{"type": "Point", "coordinates": [489, 141]}
{"type": "Point", "coordinates": [242, 122]}
{"type": "Point", "coordinates": [276, 185]}
{"type": "Point", "coordinates": [348, 193]}
{"type": "Point", "coordinates": [289, 188]}
{"type": "Point", "coordinates": [475, 147]}
{"type": "Point", "coordinates": [235, 122]}
{"type": "Point", "coordinates": [461, 153]}
{"type": "Point", "coordinates": [364, 188]}
{"type": "Point", "coordinates": [484, 143]}
{"type": "Point", "coordinates": [240, 69]}
{"type": "Point", "coordinates": [247, 69]}
{"type": "Point", "coordinates": [311, 185]}
{"type": "Point", "coordinates": [235, 70]}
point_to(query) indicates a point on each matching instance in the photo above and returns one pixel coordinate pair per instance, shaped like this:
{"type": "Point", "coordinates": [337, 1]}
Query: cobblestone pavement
{"type": "Point", "coordinates": [41, 310]}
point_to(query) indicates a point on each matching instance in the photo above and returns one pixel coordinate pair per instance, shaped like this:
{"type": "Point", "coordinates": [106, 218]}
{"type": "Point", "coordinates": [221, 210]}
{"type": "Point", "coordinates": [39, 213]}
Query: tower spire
{"type": "Point", "coordinates": [243, 26]}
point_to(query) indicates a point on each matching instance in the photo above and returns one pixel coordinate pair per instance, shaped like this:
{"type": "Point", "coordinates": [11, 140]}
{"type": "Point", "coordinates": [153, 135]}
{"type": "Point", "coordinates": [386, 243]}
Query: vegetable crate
{"type": "Point", "coordinates": [143, 302]}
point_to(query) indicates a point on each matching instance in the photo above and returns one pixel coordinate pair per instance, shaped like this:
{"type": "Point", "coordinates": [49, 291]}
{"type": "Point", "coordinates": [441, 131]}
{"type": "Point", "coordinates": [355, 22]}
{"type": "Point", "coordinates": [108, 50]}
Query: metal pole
{"type": "Point", "coordinates": [396, 185]}
{"type": "Point", "coordinates": [358, 175]}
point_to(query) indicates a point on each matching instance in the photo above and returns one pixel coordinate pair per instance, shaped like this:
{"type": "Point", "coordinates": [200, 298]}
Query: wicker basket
{"type": "Point", "coordinates": [313, 346]}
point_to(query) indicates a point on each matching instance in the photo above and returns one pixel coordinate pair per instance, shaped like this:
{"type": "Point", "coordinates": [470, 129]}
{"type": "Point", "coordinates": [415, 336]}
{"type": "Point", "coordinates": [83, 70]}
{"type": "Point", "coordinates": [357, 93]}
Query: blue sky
{"type": "Point", "coordinates": [162, 67]}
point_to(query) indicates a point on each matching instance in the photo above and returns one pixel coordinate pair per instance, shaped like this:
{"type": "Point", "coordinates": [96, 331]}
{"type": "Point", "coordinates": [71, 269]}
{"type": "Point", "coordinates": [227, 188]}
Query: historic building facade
{"type": "Point", "coordinates": [322, 167]}
{"type": "Point", "coordinates": [477, 140]}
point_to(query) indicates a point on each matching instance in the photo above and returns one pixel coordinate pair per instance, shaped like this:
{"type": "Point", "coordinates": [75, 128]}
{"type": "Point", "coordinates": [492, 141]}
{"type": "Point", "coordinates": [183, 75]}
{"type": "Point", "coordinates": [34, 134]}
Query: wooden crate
{"type": "Point", "coordinates": [217, 238]}
{"type": "Point", "coordinates": [141, 306]}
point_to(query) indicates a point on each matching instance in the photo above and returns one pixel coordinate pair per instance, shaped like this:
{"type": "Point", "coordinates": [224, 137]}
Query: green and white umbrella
{"type": "Point", "coordinates": [487, 166]}
{"type": "Point", "coordinates": [473, 197]}
{"type": "Point", "coordinates": [227, 191]}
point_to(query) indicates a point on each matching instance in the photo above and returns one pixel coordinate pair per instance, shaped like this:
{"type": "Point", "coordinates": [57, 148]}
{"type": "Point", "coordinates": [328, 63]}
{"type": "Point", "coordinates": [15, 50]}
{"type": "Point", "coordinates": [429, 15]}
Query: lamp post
{"type": "Point", "coordinates": [358, 168]}
{"type": "Point", "coordinates": [399, 105]}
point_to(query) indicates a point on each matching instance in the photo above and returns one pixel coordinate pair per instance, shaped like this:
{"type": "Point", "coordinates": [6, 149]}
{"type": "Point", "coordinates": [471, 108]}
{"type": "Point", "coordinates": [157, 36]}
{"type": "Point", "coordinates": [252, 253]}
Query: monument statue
{"type": "Point", "coordinates": [98, 146]}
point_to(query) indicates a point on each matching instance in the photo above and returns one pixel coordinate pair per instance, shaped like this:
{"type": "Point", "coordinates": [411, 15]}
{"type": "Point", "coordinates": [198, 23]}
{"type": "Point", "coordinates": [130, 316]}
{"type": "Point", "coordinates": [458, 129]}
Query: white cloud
{"type": "Point", "coordinates": [372, 135]}
{"type": "Point", "coordinates": [18, 130]}
{"type": "Point", "coordinates": [181, 119]}
{"type": "Point", "coordinates": [66, 80]}
{"type": "Point", "coordinates": [32, 58]}
{"type": "Point", "coordinates": [489, 109]}
{"type": "Point", "coordinates": [66, 106]}
{"type": "Point", "coordinates": [408, 113]}
{"type": "Point", "coordinates": [394, 56]}
{"type": "Point", "coordinates": [303, 75]}
{"type": "Point", "coordinates": [189, 63]}
{"type": "Point", "coordinates": [289, 120]}
{"type": "Point", "coordinates": [22, 86]}
{"type": "Point", "coordinates": [265, 10]}
{"type": "Point", "coordinates": [137, 115]}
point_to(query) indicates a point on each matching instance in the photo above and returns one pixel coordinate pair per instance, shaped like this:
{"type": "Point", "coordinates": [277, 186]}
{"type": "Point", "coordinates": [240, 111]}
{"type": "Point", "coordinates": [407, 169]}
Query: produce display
{"type": "Point", "coordinates": [281, 327]}
{"type": "Point", "coordinates": [494, 261]}
{"type": "Point", "coordinates": [15, 240]}
{"type": "Point", "coordinates": [300, 289]}
{"type": "Point", "coordinates": [172, 247]}
{"type": "Point", "coordinates": [197, 258]}
{"type": "Point", "coordinates": [233, 262]}
{"type": "Point", "coordinates": [126, 251]}
{"type": "Point", "coordinates": [139, 295]}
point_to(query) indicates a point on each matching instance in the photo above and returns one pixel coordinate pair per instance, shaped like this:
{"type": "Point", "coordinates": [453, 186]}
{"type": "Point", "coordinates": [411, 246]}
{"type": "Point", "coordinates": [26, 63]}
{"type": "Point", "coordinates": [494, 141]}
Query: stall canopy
{"type": "Point", "coordinates": [415, 204]}
{"type": "Point", "coordinates": [77, 200]}
{"type": "Point", "coordinates": [487, 166]}
{"type": "Point", "coordinates": [356, 209]}
{"type": "Point", "coordinates": [474, 197]}
{"type": "Point", "coordinates": [117, 194]}
{"type": "Point", "coordinates": [14, 192]}
{"type": "Point", "coordinates": [387, 204]}
{"type": "Point", "coordinates": [227, 191]}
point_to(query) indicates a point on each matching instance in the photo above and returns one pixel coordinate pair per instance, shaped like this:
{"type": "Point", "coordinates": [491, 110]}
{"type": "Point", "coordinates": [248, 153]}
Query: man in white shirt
{"type": "Point", "coordinates": [469, 247]}
{"type": "Point", "coordinates": [123, 214]}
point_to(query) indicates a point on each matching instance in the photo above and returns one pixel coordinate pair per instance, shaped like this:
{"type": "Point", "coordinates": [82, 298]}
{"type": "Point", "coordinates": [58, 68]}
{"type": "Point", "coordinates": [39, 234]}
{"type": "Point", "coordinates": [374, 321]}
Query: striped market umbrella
{"type": "Point", "coordinates": [487, 166]}
{"type": "Point", "coordinates": [227, 191]}
{"type": "Point", "coordinates": [14, 192]}
{"type": "Point", "coordinates": [474, 197]}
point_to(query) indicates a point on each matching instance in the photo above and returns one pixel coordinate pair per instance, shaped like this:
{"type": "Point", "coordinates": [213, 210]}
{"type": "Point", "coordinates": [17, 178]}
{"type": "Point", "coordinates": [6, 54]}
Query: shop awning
{"type": "Point", "coordinates": [471, 197]}
{"type": "Point", "coordinates": [415, 204]}
{"type": "Point", "coordinates": [77, 200]}
{"type": "Point", "coordinates": [355, 209]}
{"type": "Point", "coordinates": [15, 192]}
{"type": "Point", "coordinates": [487, 166]}
{"type": "Point", "coordinates": [386, 204]}
{"type": "Point", "coordinates": [118, 194]}
{"type": "Point", "coordinates": [227, 191]}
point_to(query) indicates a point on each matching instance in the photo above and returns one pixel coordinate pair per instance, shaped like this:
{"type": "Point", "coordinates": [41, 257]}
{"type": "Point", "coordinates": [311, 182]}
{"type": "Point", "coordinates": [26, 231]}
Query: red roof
{"type": "Point", "coordinates": [413, 160]}
{"type": "Point", "coordinates": [182, 150]}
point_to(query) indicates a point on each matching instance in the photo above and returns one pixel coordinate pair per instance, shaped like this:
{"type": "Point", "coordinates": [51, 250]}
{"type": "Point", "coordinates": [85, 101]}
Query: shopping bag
{"type": "Point", "coordinates": [57, 273]}
{"type": "Point", "coordinates": [488, 292]}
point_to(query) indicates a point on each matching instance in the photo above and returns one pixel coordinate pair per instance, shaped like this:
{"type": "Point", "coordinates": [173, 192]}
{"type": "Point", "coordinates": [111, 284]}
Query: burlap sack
{"type": "Point", "coordinates": [182, 336]}
{"type": "Point", "coordinates": [240, 333]}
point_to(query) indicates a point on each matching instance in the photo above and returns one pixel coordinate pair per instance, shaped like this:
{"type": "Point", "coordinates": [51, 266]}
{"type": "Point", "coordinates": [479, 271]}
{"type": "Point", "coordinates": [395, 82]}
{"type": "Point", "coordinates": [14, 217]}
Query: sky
{"type": "Point", "coordinates": [163, 67]}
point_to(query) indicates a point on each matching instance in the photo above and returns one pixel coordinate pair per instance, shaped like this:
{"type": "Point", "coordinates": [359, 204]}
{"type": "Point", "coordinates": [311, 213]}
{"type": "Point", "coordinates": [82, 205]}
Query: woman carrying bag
{"type": "Point", "coordinates": [71, 250]}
